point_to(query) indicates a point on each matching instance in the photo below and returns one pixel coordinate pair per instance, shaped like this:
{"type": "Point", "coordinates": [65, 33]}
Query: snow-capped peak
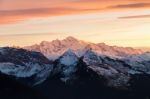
{"type": "Point", "coordinates": [91, 57]}
{"type": "Point", "coordinates": [67, 65]}
{"type": "Point", "coordinates": [54, 49]}
{"type": "Point", "coordinates": [69, 58]}
{"type": "Point", "coordinates": [70, 38]}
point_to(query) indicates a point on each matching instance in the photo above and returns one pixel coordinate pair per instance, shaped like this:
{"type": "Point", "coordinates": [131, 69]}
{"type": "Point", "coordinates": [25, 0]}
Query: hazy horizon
{"type": "Point", "coordinates": [145, 49]}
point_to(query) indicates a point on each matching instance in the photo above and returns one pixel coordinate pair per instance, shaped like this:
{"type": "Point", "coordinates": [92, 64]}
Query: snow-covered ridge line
{"type": "Point", "coordinates": [54, 49]}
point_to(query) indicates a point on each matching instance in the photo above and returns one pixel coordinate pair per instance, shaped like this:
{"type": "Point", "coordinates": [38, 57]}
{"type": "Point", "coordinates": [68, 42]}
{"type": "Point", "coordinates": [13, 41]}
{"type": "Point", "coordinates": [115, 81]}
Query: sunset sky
{"type": "Point", "coordinates": [115, 22]}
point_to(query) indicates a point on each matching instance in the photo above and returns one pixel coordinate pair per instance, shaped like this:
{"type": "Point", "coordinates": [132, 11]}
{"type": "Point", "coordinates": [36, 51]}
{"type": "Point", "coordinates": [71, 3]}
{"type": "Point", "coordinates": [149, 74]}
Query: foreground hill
{"type": "Point", "coordinates": [11, 89]}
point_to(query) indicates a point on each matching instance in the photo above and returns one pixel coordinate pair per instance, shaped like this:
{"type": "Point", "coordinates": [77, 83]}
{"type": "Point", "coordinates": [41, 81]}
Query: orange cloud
{"type": "Point", "coordinates": [131, 5]}
{"type": "Point", "coordinates": [11, 16]}
{"type": "Point", "coordinates": [136, 16]}
{"type": "Point", "coordinates": [19, 10]}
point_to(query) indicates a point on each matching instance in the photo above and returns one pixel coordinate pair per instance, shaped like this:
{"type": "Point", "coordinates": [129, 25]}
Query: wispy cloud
{"type": "Point", "coordinates": [131, 5]}
{"type": "Point", "coordinates": [135, 16]}
{"type": "Point", "coordinates": [10, 16]}
{"type": "Point", "coordinates": [37, 11]}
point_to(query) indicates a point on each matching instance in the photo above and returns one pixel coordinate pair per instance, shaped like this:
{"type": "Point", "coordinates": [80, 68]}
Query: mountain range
{"type": "Point", "coordinates": [74, 66]}
{"type": "Point", "coordinates": [54, 49]}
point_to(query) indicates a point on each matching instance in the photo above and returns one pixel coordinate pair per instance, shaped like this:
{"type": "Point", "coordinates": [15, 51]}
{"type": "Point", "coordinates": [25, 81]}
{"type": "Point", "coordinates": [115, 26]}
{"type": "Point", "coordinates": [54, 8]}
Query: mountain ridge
{"type": "Point", "coordinates": [75, 68]}
{"type": "Point", "coordinates": [54, 49]}
{"type": "Point", "coordinates": [70, 71]}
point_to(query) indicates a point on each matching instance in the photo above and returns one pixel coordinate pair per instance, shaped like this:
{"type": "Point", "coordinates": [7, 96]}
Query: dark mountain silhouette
{"type": "Point", "coordinates": [11, 89]}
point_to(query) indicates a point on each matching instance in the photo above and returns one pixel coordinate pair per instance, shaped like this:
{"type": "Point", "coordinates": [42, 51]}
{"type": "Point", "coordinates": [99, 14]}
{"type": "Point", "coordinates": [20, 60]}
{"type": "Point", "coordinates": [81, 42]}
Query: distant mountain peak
{"type": "Point", "coordinates": [70, 38]}
{"type": "Point", "coordinates": [54, 49]}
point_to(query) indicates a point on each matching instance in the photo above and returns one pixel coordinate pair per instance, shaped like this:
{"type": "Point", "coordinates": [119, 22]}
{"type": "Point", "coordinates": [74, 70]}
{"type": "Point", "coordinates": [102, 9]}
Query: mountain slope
{"type": "Point", "coordinates": [95, 77]}
{"type": "Point", "coordinates": [21, 63]}
{"type": "Point", "coordinates": [70, 71]}
{"type": "Point", "coordinates": [66, 65]}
